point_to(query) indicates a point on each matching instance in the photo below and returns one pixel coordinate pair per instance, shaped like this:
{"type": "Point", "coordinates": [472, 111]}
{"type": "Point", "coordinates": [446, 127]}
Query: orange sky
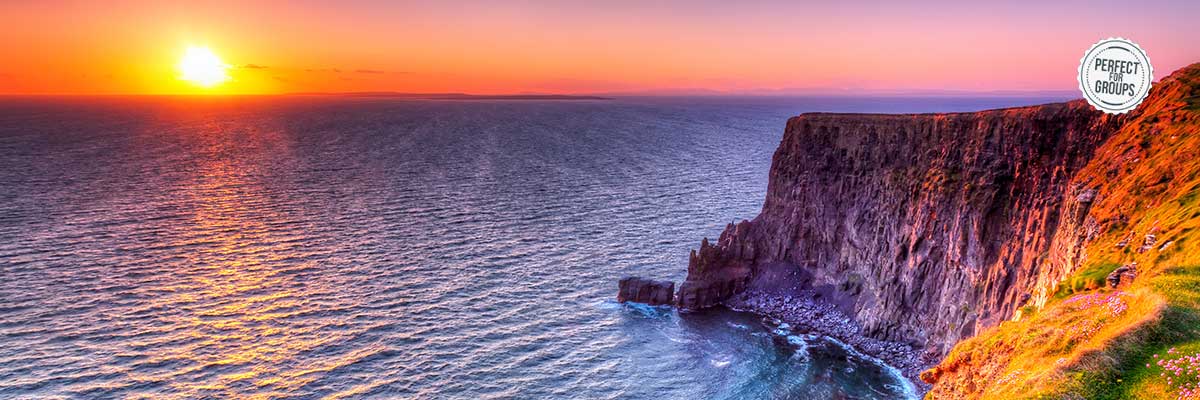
{"type": "Point", "coordinates": [576, 46]}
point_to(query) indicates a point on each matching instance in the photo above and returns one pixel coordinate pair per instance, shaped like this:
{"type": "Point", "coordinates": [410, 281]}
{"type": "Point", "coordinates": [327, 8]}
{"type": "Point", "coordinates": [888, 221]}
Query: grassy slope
{"type": "Point", "coordinates": [1090, 341]}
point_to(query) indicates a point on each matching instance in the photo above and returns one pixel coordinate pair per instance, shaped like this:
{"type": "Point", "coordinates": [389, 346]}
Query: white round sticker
{"type": "Point", "coordinates": [1115, 75]}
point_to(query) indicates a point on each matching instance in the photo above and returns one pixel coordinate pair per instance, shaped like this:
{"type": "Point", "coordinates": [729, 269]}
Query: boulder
{"type": "Point", "coordinates": [931, 375]}
{"type": "Point", "coordinates": [1148, 243]}
{"type": "Point", "coordinates": [1122, 276]}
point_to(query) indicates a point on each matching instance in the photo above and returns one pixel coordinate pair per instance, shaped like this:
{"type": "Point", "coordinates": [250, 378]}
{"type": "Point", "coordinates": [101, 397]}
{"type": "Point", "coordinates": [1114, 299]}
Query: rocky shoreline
{"type": "Point", "coordinates": [803, 311]}
{"type": "Point", "coordinates": [806, 314]}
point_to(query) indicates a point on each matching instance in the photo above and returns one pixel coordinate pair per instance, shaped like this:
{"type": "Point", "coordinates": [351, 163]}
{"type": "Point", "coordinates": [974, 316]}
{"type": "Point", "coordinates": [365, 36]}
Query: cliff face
{"type": "Point", "coordinates": [927, 226]}
{"type": "Point", "coordinates": [924, 228]}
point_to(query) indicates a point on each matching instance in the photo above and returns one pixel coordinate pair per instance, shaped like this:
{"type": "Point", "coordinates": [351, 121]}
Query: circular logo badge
{"type": "Point", "coordinates": [1115, 75]}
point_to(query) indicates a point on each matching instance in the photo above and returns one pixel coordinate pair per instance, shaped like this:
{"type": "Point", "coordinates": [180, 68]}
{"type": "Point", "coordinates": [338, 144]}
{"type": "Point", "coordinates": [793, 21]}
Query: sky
{"type": "Point", "coordinates": [580, 47]}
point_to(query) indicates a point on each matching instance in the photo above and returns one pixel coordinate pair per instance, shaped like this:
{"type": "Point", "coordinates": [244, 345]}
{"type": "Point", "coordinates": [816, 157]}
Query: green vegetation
{"type": "Point", "coordinates": [1134, 374]}
{"type": "Point", "coordinates": [1090, 277]}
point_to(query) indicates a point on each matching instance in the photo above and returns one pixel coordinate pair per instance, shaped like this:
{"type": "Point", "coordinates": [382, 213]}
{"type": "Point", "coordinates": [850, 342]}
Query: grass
{"type": "Point", "coordinates": [1178, 327]}
{"type": "Point", "coordinates": [1090, 277]}
{"type": "Point", "coordinates": [1046, 351]}
{"type": "Point", "coordinates": [1092, 345]}
{"type": "Point", "coordinates": [1193, 100]}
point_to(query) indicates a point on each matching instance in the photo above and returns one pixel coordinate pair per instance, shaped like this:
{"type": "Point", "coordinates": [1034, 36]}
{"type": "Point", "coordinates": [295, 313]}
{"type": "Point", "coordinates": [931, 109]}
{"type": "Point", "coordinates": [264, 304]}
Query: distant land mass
{"type": "Point", "coordinates": [456, 96]}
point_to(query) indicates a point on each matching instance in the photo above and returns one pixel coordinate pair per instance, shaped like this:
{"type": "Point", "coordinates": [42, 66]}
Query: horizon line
{"type": "Point", "coordinates": [589, 96]}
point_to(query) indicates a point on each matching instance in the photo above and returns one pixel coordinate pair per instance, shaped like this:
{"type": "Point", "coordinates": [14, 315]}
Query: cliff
{"type": "Point", "coordinates": [929, 226]}
{"type": "Point", "coordinates": [929, 229]}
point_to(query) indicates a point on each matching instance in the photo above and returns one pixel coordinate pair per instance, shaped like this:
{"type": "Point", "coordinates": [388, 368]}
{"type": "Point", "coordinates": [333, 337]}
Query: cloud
{"type": "Point", "coordinates": [254, 66]}
{"type": "Point", "coordinates": [357, 71]}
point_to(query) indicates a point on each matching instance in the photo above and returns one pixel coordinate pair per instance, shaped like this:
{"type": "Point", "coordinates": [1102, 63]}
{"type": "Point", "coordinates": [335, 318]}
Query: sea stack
{"type": "Point", "coordinates": [647, 291]}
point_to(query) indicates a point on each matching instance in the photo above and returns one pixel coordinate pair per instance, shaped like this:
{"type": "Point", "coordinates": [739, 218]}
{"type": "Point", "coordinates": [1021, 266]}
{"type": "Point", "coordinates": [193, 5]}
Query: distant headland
{"type": "Point", "coordinates": [454, 96]}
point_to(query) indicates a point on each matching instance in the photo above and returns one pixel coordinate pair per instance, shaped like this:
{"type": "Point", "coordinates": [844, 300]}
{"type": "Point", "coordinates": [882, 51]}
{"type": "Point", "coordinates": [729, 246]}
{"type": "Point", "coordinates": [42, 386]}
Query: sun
{"type": "Point", "coordinates": [202, 67]}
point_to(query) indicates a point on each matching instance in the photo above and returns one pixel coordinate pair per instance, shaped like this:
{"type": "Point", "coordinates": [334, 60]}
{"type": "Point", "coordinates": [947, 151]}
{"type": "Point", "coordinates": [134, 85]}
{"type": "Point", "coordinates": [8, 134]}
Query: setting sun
{"type": "Point", "coordinates": [202, 67]}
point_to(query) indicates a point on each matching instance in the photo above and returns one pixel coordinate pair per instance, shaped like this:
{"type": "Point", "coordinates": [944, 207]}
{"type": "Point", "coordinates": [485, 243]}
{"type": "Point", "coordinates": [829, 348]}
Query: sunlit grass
{"type": "Point", "coordinates": [1084, 344]}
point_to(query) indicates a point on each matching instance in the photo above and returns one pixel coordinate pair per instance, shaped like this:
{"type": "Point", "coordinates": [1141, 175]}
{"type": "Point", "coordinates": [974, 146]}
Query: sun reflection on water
{"type": "Point", "coordinates": [245, 318]}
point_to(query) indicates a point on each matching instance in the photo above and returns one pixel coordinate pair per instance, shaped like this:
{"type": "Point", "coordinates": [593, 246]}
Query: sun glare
{"type": "Point", "coordinates": [202, 67]}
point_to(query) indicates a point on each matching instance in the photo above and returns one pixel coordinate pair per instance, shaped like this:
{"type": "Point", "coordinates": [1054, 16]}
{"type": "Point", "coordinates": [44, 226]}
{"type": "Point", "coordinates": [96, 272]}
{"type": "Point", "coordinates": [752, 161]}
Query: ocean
{"type": "Point", "coordinates": [342, 247]}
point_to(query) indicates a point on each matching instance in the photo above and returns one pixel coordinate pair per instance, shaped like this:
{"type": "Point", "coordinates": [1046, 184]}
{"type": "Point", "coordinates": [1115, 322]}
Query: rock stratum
{"type": "Point", "coordinates": [929, 229]}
